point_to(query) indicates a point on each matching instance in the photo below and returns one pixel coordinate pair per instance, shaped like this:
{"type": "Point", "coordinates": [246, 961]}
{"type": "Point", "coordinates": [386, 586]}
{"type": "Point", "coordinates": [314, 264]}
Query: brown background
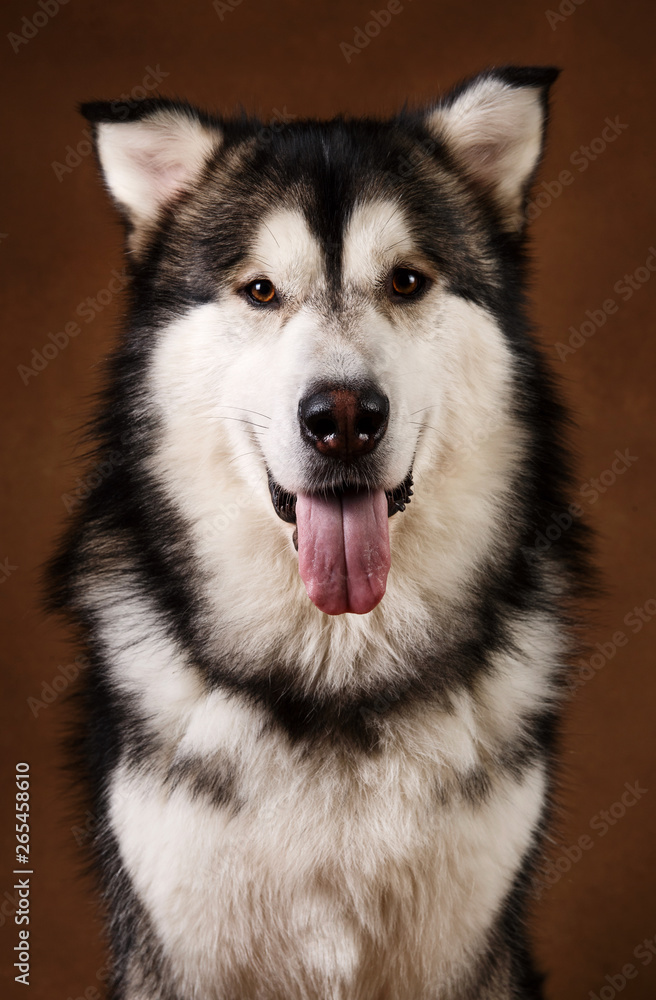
{"type": "Point", "coordinates": [60, 242]}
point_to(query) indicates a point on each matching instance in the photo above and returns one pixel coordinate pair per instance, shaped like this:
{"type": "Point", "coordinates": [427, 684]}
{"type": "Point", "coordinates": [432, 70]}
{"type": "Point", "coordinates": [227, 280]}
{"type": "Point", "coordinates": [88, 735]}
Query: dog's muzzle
{"type": "Point", "coordinates": [341, 536]}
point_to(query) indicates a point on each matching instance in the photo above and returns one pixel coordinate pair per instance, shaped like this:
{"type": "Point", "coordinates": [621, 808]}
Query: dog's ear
{"type": "Point", "coordinates": [150, 152]}
{"type": "Point", "coordinates": [494, 126]}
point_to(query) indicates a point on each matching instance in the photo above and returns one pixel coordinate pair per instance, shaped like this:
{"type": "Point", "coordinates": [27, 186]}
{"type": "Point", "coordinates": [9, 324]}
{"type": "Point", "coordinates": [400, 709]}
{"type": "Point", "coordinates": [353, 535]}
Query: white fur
{"type": "Point", "coordinates": [377, 237]}
{"type": "Point", "coordinates": [495, 130]}
{"type": "Point", "coordinates": [328, 879]}
{"type": "Point", "coordinates": [312, 888]}
{"type": "Point", "coordinates": [226, 380]}
{"type": "Point", "coordinates": [147, 163]}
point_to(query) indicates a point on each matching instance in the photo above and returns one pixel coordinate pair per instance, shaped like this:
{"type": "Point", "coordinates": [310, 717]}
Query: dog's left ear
{"type": "Point", "coordinates": [150, 153]}
{"type": "Point", "coordinates": [494, 127]}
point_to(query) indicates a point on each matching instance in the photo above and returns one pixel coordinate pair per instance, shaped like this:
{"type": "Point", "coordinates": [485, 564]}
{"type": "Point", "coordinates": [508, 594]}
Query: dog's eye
{"type": "Point", "coordinates": [261, 291]}
{"type": "Point", "coordinates": [406, 282]}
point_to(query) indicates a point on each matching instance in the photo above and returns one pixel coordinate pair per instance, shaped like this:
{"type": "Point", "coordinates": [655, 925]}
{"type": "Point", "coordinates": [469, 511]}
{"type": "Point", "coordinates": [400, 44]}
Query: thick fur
{"type": "Point", "coordinates": [293, 805]}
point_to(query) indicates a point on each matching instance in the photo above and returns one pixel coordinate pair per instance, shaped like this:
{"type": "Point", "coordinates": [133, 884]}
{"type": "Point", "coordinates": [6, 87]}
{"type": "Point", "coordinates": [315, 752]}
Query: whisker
{"type": "Point", "coordinates": [279, 552]}
{"type": "Point", "coordinates": [423, 408]}
{"type": "Point", "coordinates": [260, 260]}
{"type": "Point", "coordinates": [395, 212]}
{"type": "Point", "coordinates": [418, 423]}
{"type": "Point", "coordinates": [244, 409]}
{"type": "Point", "coordinates": [271, 235]}
{"type": "Point", "coordinates": [244, 455]}
{"type": "Point", "coordinates": [242, 420]}
{"type": "Point", "coordinates": [392, 245]}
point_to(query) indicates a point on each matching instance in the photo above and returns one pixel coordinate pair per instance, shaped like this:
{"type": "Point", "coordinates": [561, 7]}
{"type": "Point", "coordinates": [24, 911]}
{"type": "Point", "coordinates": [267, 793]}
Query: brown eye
{"type": "Point", "coordinates": [406, 282]}
{"type": "Point", "coordinates": [261, 291]}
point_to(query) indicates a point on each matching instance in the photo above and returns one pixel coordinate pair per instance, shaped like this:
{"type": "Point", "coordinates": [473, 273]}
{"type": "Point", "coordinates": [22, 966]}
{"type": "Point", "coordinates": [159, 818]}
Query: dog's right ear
{"type": "Point", "coordinates": [150, 152]}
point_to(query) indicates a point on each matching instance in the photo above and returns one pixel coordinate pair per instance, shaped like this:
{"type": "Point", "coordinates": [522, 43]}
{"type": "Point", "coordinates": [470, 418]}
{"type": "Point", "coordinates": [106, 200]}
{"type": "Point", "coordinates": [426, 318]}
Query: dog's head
{"type": "Point", "coordinates": [325, 310]}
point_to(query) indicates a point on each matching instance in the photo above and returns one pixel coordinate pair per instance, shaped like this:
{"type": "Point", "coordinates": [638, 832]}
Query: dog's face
{"type": "Point", "coordinates": [326, 304]}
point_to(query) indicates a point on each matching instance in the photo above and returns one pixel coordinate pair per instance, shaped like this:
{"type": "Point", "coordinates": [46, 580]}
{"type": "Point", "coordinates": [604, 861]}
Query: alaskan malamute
{"type": "Point", "coordinates": [325, 579]}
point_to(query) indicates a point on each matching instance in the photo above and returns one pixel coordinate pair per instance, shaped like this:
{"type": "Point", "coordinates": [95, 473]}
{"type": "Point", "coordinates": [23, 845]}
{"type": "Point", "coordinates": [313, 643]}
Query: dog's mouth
{"type": "Point", "coordinates": [284, 503]}
{"type": "Point", "coordinates": [342, 541]}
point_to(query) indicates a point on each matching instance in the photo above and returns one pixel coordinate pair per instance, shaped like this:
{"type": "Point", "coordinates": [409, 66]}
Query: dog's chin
{"type": "Point", "coordinates": [342, 540]}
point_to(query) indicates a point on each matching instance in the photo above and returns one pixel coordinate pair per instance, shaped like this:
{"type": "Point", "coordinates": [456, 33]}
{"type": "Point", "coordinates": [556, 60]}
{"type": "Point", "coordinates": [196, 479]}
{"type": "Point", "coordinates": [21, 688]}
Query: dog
{"type": "Point", "coordinates": [328, 636]}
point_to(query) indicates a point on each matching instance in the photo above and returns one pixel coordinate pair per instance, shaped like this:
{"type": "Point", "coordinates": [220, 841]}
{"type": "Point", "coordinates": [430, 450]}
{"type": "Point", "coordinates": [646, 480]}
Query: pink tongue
{"type": "Point", "coordinates": [343, 550]}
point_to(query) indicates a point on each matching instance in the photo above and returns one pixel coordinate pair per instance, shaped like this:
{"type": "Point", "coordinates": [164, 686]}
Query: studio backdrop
{"type": "Point", "coordinates": [593, 233]}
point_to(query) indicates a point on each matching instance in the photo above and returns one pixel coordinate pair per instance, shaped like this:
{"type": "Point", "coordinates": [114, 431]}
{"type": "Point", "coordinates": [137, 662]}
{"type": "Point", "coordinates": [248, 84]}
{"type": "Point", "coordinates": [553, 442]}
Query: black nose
{"type": "Point", "coordinates": [344, 423]}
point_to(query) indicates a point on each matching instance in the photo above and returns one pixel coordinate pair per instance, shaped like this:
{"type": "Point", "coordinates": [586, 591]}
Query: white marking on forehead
{"type": "Point", "coordinates": [377, 234]}
{"type": "Point", "coordinates": [285, 251]}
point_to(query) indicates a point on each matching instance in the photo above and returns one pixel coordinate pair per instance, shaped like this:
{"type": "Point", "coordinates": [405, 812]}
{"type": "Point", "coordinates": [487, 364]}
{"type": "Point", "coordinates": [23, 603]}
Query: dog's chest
{"type": "Point", "coordinates": [318, 874]}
